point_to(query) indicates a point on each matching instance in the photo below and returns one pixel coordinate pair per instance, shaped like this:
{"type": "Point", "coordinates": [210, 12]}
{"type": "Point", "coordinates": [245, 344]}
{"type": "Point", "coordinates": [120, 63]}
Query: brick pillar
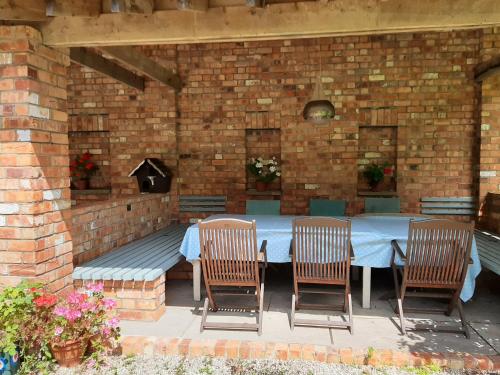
{"type": "Point", "coordinates": [35, 218]}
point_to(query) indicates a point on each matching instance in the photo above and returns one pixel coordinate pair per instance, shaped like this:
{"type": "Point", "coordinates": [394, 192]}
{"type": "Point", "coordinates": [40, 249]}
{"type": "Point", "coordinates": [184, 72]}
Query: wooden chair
{"type": "Point", "coordinates": [327, 207]}
{"type": "Point", "coordinates": [321, 256]}
{"type": "Point", "coordinates": [230, 263]}
{"type": "Point", "coordinates": [382, 205]}
{"type": "Point", "coordinates": [436, 260]}
{"type": "Point", "coordinates": [263, 207]}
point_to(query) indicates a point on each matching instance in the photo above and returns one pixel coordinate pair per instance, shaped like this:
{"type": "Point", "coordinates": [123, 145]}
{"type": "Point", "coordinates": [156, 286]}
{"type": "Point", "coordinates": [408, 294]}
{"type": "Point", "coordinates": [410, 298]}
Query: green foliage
{"type": "Point", "coordinates": [425, 370]}
{"type": "Point", "coordinates": [264, 170]}
{"type": "Point", "coordinates": [374, 174]}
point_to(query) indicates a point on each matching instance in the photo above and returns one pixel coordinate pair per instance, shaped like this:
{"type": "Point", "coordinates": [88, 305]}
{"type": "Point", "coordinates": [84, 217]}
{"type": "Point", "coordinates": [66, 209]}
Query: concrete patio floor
{"type": "Point", "coordinates": [377, 327]}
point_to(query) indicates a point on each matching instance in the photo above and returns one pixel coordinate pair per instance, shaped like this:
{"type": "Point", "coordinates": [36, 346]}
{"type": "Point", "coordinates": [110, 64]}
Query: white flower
{"type": "Point", "coordinates": [272, 169]}
{"type": "Point", "coordinates": [259, 159]}
{"type": "Point", "coordinates": [259, 165]}
{"type": "Point", "coordinates": [278, 174]}
{"type": "Point", "coordinates": [252, 160]}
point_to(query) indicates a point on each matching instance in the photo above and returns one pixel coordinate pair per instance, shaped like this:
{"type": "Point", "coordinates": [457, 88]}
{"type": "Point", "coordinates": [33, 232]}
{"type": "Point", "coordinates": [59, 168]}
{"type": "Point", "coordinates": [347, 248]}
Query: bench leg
{"type": "Point", "coordinates": [196, 280]}
{"type": "Point", "coordinates": [367, 278]}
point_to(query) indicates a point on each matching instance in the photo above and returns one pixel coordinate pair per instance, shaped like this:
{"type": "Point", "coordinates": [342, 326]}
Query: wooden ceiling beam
{"type": "Point", "coordinates": [98, 63]}
{"type": "Point", "coordinates": [142, 63]}
{"type": "Point", "coordinates": [276, 21]}
{"type": "Point", "coordinates": [87, 8]}
{"type": "Point", "coordinates": [194, 5]}
{"type": "Point", "coordinates": [487, 69]}
{"type": "Point", "coordinates": [22, 10]}
{"type": "Point", "coordinates": [132, 6]}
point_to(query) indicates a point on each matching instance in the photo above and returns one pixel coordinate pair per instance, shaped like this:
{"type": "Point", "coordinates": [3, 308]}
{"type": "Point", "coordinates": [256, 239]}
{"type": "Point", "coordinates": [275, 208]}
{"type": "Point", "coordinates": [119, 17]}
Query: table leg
{"type": "Point", "coordinates": [367, 279]}
{"type": "Point", "coordinates": [355, 273]}
{"type": "Point", "coordinates": [196, 280]}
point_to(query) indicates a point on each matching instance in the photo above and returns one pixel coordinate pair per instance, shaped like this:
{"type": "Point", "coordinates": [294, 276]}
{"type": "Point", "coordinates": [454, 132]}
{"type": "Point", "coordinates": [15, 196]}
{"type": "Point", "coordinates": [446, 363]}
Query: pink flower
{"type": "Point", "coordinates": [91, 363]}
{"type": "Point", "coordinates": [87, 306]}
{"type": "Point", "coordinates": [73, 315]}
{"type": "Point", "coordinates": [61, 311]}
{"type": "Point", "coordinates": [106, 331]}
{"type": "Point", "coordinates": [113, 322]}
{"type": "Point", "coordinates": [76, 298]}
{"type": "Point", "coordinates": [95, 287]}
{"type": "Point", "coordinates": [58, 331]}
{"type": "Point", "coordinates": [109, 303]}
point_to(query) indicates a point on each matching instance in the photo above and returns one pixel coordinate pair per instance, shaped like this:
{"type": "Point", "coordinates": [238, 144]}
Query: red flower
{"type": "Point", "coordinates": [86, 156]}
{"type": "Point", "coordinates": [73, 163]}
{"type": "Point", "coordinates": [89, 166]}
{"type": "Point", "coordinates": [46, 300]}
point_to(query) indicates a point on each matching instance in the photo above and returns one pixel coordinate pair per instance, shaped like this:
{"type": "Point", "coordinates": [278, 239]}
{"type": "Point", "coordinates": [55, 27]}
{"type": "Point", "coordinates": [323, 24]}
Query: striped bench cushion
{"type": "Point", "coordinates": [202, 203]}
{"type": "Point", "coordinates": [142, 260]}
{"type": "Point", "coordinates": [488, 246]}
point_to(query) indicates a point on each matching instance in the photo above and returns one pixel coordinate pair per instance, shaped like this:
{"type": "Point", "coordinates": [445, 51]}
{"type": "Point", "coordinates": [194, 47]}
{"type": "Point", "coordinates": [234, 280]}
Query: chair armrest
{"type": "Point", "coordinates": [397, 249]}
{"type": "Point", "coordinates": [263, 250]}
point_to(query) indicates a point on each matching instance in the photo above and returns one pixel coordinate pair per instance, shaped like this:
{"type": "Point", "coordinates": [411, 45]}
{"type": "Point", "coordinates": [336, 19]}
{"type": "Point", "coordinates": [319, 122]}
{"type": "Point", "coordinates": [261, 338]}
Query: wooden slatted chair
{"type": "Point", "coordinates": [321, 256]}
{"type": "Point", "coordinates": [436, 260]}
{"type": "Point", "coordinates": [231, 262]}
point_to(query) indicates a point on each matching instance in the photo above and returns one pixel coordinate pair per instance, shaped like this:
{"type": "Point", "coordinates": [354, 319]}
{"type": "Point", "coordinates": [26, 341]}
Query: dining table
{"type": "Point", "coordinates": [371, 238]}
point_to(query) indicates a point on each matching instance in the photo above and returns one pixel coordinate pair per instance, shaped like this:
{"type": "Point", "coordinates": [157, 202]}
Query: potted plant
{"type": "Point", "coordinates": [81, 169]}
{"type": "Point", "coordinates": [22, 328]}
{"type": "Point", "coordinates": [265, 171]}
{"type": "Point", "coordinates": [82, 319]}
{"type": "Point", "coordinates": [374, 174]}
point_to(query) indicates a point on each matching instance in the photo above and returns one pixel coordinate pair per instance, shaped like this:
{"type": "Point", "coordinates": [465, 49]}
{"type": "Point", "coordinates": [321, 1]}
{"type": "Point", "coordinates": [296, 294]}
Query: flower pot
{"type": "Point", "coordinates": [375, 186]}
{"type": "Point", "coordinates": [82, 184]}
{"type": "Point", "coordinates": [70, 353]}
{"type": "Point", "coordinates": [261, 185]}
{"type": "Point", "coordinates": [9, 364]}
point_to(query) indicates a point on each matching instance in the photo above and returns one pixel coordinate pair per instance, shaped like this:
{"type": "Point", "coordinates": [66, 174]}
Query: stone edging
{"type": "Point", "coordinates": [259, 350]}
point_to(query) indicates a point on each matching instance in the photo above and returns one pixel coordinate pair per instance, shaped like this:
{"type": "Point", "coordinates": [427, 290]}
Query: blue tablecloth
{"type": "Point", "coordinates": [371, 238]}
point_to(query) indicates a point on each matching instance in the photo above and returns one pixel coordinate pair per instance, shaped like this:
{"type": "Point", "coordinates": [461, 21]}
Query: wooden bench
{"type": "Point", "coordinates": [464, 206]}
{"type": "Point", "coordinates": [488, 247]}
{"type": "Point", "coordinates": [200, 203]}
{"type": "Point", "coordinates": [134, 274]}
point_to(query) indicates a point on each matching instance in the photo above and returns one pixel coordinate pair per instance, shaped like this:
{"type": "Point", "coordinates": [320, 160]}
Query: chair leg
{"type": "Point", "coordinates": [399, 308]}
{"type": "Point", "coordinates": [261, 308]}
{"type": "Point", "coordinates": [204, 316]}
{"type": "Point", "coordinates": [292, 315]}
{"type": "Point", "coordinates": [351, 327]}
{"type": "Point", "coordinates": [211, 299]}
{"type": "Point", "coordinates": [346, 300]}
{"type": "Point", "coordinates": [463, 319]}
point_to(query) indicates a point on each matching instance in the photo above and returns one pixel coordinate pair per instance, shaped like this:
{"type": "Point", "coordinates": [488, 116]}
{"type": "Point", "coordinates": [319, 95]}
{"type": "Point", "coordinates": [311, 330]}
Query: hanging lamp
{"type": "Point", "coordinates": [319, 110]}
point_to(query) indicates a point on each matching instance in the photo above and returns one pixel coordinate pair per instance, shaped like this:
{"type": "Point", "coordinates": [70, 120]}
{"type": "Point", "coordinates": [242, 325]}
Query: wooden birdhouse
{"type": "Point", "coordinates": [152, 176]}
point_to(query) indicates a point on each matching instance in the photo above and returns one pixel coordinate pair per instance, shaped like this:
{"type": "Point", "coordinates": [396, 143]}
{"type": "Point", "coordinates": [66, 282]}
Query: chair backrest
{"type": "Point", "coordinates": [327, 207]}
{"type": "Point", "coordinates": [321, 250]}
{"type": "Point", "coordinates": [438, 252]}
{"type": "Point", "coordinates": [228, 250]}
{"type": "Point", "coordinates": [263, 207]}
{"type": "Point", "coordinates": [382, 205]}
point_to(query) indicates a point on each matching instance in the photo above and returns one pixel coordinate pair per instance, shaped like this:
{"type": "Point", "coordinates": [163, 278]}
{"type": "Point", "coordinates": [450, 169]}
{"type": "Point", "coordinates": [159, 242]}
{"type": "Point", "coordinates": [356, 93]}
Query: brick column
{"type": "Point", "coordinates": [35, 218]}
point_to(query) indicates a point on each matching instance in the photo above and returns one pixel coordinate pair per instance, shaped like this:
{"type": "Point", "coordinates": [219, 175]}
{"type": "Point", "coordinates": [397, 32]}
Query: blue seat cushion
{"type": "Point", "coordinates": [263, 207]}
{"type": "Point", "coordinates": [327, 207]}
{"type": "Point", "coordinates": [382, 205]}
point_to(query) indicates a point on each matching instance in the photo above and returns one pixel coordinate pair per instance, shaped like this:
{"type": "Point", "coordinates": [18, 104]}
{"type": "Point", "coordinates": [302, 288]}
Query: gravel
{"type": "Point", "coordinates": [177, 365]}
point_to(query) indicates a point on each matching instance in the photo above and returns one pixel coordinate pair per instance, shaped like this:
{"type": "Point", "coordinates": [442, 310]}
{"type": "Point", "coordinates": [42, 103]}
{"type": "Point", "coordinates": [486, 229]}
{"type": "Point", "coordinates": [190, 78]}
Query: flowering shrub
{"type": "Point", "coordinates": [35, 321]}
{"type": "Point", "coordinates": [82, 166]}
{"type": "Point", "coordinates": [264, 170]}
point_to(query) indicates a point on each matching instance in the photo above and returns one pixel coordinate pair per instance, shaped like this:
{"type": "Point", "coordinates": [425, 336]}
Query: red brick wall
{"type": "Point", "coordinates": [34, 175]}
{"type": "Point", "coordinates": [422, 83]}
{"type": "Point", "coordinates": [100, 227]}
{"type": "Point", "coordinates": [140, 124]}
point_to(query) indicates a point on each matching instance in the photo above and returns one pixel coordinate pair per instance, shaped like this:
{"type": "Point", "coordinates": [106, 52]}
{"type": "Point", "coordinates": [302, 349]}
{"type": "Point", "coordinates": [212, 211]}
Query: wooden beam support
{"type": "Point", "coordinates": [487, 69]}
{"type": "Point", "coordinates": [100, 64]}
{"type": "Point", "coordinates": [276, 21]}
{"type": "Point", "coordinates": [87, 8]}
{"type": "Point", "coordinates": [196, 5]}
{"type": "Point", "coordinates": [132, 6]}
{"type": "Point", "coordinates": [140, 62]}
{"type": "Point", "coordinates": [255, 3]}
{"type": "Point", "coordinates": [22, 10]}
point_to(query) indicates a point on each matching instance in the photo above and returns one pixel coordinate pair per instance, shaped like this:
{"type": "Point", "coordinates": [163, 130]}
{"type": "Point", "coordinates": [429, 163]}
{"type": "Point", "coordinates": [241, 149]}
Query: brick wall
{"type": "Point", "coordinates": [421, 83]}
{"type": "Point", "coordinates": [34, 174]}
{"type": "Point", "coordinates": [100, 227]}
